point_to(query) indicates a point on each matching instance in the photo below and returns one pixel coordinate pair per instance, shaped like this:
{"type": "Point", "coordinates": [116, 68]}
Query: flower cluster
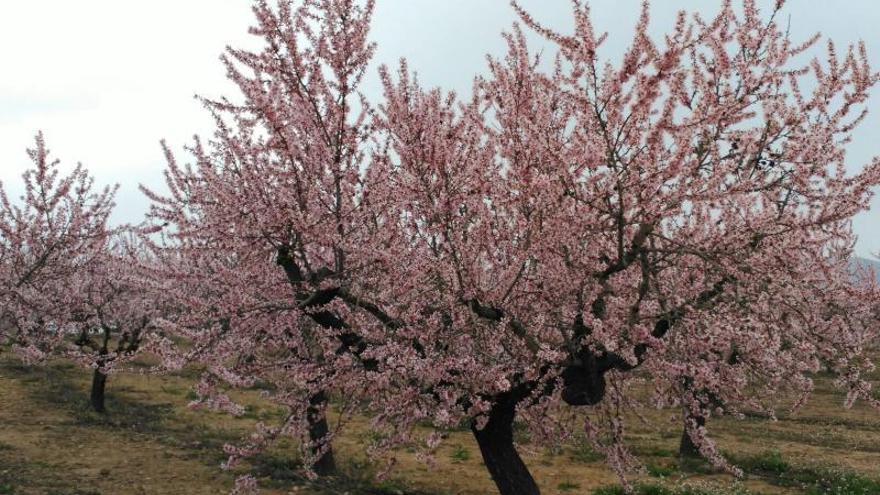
{"type": "Point", "coordinates": [682, 215]}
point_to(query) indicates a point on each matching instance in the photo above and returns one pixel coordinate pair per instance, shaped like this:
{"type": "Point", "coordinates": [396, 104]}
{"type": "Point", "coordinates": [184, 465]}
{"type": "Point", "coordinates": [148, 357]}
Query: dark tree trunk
{"type": "Point", "coordinates": [316, 415]}
{"type": "Point", "coordinates": [509, 472]}
{"type": "Point", "coordinates": [584, 384]}
{"type": "Point", "coordinates": [687, 448]}
{"type": "Point", "coordinates": [96, 399]}
{"type": "Point", "coordinates": [99, 378]}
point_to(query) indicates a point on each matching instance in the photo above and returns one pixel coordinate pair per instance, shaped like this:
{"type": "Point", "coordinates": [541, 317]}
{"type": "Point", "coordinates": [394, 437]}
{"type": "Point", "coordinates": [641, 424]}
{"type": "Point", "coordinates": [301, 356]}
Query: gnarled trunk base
{"type": "Point", "coordinates": [509, 472]}
{"type": "Point", "coordinates": [96, 398]}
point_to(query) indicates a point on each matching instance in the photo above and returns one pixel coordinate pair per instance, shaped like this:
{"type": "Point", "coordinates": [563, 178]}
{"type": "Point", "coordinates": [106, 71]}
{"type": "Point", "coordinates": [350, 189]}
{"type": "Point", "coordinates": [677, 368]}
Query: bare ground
{"type": "Point", "coordinates": [151, 443]}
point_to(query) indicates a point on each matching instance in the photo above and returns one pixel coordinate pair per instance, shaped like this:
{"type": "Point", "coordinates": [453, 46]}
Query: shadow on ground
{"type": "Point", "coordinates": [133, 416]}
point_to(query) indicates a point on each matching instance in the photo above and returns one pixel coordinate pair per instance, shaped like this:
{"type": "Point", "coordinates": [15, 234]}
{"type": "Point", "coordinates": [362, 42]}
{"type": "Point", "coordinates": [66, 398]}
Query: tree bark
{"type": "Point", "coordinates": [316, 415]}
{"type": "Point", "coordinates": [687, 448]}
{"type": "Point", "coordinates": [96, 399]}
{"type": "Point", "coordinates": [509, 472]}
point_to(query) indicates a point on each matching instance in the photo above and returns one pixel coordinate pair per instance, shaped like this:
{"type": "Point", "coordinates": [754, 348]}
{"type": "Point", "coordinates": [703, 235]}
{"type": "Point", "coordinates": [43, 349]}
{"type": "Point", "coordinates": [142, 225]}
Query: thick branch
{"type": "Point", "coordinates": [497, 314]}
{"type": "Point", "coordinates": [662, 326]}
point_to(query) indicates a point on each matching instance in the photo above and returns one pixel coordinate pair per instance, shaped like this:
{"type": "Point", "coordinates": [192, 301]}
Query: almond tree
{"type": "Point", "coordinates": [592, 218]}
{"type": "Point", "coordinates": [115, 310]}
{"type": "Point", "coordinates": [65, 276]}
{"type": "Point", "coordinates": [845, 297]}
{"type": "Point", "coordinates": [267, 221]}
{"type": "Point", "coordinates": [543, 244]}
{"type": "Point", "coordinates": [56, 230]}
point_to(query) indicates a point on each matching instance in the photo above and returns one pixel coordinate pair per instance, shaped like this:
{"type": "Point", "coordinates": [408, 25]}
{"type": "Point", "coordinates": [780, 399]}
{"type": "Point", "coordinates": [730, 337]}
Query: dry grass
{"type": "Point", "coordinates": [150, 443]}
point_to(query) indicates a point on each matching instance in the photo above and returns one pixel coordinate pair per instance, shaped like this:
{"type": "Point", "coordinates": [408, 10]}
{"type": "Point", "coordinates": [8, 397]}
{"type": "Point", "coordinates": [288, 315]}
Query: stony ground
{"type": "Point", "coordinates": [150, 443]}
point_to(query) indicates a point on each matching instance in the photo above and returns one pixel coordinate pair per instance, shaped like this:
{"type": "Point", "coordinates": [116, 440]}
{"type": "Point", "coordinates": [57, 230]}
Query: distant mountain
{"type": "Point", "coordinates": [871, 263]}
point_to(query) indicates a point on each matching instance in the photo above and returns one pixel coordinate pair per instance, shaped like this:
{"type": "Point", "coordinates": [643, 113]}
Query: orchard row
{"type": "Point", "coordinates": [570, 229]}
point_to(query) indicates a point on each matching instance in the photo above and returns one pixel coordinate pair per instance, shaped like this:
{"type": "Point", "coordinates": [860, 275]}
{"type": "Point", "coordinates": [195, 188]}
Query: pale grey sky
{"type": "Point", "coordinates": [106, 79]}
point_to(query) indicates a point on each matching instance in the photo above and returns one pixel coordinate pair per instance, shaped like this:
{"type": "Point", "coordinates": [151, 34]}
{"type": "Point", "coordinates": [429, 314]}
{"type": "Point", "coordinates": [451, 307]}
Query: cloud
{"type": "Point", "coordinates": [106, 79]}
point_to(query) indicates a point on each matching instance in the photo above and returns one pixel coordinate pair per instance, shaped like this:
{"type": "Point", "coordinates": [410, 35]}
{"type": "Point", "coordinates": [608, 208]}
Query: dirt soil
{"type": "Point", "coordinates": [151, 443]}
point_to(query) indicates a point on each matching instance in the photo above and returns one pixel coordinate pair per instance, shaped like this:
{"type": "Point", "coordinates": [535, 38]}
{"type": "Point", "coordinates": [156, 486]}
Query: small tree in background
{"type": "Point", "coordinates": [116, 311]}
{"type": "Point", "coordinates": [49, 239]}
{"type": "Point", "coordinates": [68, 281]}
{"type": "Point", "coordinates": [845, 297]}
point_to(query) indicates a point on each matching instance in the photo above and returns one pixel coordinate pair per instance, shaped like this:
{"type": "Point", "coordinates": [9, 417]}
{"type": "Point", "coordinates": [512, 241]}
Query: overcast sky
{"type": "Point", "coordinates": [106, 79]}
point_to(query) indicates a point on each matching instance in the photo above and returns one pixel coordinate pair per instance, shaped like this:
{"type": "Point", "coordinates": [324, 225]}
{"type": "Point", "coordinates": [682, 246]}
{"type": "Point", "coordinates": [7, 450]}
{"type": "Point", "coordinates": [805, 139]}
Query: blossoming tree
{"type": "Point", "coordinates": [49, 237]}
{"type": "Point", "coordinates": [539, 245]}
{"type": "Point", "coordinates": [267, 222]}
{"type": "Point", "coordinates": [116, 310]}
{"type": "Point", "coordinates": [68, 284]}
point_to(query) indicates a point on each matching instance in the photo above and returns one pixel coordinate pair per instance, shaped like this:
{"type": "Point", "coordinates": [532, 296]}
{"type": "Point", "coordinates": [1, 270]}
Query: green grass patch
{"type": "Point", "coordinates": [767, 462]}
{"type": "Point", "coordinates": [658, 489]}
{"type": "Point", "coordinates": [583, 452]}
{"type": "Point", "coordinates": [828, 481]}
{"type": "Point", "coordinates": [460, 454]}
{"type": "Point", "coordinates": [660, 470]}
{"type": "Point", "coordinates": [695, 465]}
{"type": "Point", "coordinates": [832, 482]}
{"type": "Point", "coordinates": [769, 466]}
{"type": "Point", "coordinates": [276, 471]}
{"type": "Point", "coordinates": [814, 480]}
{"type": "Point", "coordinates": [567, 486]}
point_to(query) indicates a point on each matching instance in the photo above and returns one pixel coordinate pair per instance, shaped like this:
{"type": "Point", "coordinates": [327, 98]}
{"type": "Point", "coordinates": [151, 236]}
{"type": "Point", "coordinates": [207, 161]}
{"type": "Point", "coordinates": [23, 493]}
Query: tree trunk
{"type": "Point", "coordinates": [687, 448]}
{"type": "Point", "coordinates": [96, 399]}
{"type": "Point", "coordinates": [509, 472]}
{"type": "Point", "coordinates": [316, 415]}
